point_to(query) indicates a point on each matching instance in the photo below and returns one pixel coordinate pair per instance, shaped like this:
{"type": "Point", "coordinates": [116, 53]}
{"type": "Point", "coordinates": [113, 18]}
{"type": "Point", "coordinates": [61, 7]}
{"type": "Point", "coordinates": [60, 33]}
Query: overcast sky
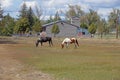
{"type": "Point", "coordinates": [49, 7]}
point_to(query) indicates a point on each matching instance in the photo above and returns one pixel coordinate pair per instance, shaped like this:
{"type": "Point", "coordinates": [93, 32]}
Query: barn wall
{"type": "Point", "coordinates": [76, 22]}
{"type": "Point", "coordinates": [66, 30]}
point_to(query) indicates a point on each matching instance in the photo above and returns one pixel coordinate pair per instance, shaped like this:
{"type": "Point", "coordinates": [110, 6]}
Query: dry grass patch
{"type": "Point", "coordinates": [95, 59]}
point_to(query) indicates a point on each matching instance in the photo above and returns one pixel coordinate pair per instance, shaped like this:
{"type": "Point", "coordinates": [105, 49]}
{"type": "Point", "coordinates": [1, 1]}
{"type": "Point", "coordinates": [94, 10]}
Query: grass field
{"type": "Point", "coordinates": [93, 60]}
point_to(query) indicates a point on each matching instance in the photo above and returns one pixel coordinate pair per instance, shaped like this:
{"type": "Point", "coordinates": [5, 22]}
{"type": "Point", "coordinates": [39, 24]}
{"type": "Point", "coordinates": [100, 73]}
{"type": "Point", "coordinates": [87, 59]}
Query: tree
{"type": "Point", "coordinates": [57, 17]}
{"type": "Point", "coordinates": [24, 11]}
{"type": "Point", "coordinates": [21, 26]}
{"type": "Point", "coordinates": [7, 25]}
{"type": "Point", "coordinates": [84, 26]}
{"type": "Point", "coordinates": [113, 20]}
{"type": "Point", "coordinates": [50, 19]}
{"type": "Point", "coordinates": [37, 27]}
{"type": "Point", "coordinates": [1, 16]}
{"type": "Point", "coordinates": [74, 10]}
{"type": "Point", "coordinates": [38, 12]}
{"type": "Point", "coordinates": [92, 17]}
{"type": "Point", "coordinates": [55, 29]}
{"type": "Point", "coordinates": [71, 12]}
{"type": "Point", "coordinates": [1, 12]}
{"type": "Point", "coordinates": [79, 11]}
{"type": "Point", "coordinates": [101, 28]}
{"type": "Point", "coordinates": [27, 13]}
{"type": "Point", "coordinates": [31, 15]}
{"type": "Point", "coordinates": [84, 19]}
{"type": "Point", "coordinates": [92, 29]}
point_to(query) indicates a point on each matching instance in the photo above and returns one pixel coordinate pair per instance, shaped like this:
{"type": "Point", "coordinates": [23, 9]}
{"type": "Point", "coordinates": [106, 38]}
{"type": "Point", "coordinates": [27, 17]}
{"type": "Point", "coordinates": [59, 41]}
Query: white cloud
{"type": "Point", "coordinates": [48, 16]}
{"type": "Point", "coordinates": [49, 7]}
{"type": "Point", "coordinates": [54, 3]}
{"type": "Point", "coordinates": [30, 3]}
{"type": "Point", "coordinates": [102, 3]}
{"type": "Point", "coordinates": [104, 11]}
{"type": "Point", "coordinates": [6, 3]}
{"type": "Point", "coordinates": [99, 1]}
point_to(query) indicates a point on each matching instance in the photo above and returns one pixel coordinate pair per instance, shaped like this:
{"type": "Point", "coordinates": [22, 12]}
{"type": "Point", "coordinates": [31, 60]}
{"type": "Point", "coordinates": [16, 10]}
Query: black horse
{"type": "Point", "coordinates": [45, 39]}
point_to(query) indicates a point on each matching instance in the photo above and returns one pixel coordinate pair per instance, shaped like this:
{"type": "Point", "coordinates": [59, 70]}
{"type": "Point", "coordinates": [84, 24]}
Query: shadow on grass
{"type": "Point", "coordinates": [7, 41]}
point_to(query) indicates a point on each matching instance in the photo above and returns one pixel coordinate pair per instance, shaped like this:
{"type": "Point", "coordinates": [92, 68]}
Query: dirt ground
{"type": "Point", "coordinates": [11, 69]}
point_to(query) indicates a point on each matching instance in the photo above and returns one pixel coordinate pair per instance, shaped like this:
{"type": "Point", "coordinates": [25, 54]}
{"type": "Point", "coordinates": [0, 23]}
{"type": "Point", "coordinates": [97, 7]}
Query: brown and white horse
{"type": "Point", "coordinates": [68, 41]}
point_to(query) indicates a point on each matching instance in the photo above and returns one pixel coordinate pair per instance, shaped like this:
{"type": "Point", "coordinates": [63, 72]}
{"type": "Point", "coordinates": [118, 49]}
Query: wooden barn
{"type": "Point", "coordinates": [67, 29]}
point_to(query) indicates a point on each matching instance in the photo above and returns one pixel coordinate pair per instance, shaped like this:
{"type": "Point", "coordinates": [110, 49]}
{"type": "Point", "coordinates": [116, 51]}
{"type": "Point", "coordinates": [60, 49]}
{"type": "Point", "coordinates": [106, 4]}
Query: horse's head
{"type": "Point", "coordinates": [73, 40]}
{"type": "Point", "coordinates": [39, 40]}
{"type": "Point", "coordinates": [36, 44]}
{"type": "Point", "coordinates": [62, 45]}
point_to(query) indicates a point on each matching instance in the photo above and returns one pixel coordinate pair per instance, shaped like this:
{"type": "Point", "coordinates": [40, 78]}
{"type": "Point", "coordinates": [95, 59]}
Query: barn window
{"type": "Point", "coordinates": [83, 33]}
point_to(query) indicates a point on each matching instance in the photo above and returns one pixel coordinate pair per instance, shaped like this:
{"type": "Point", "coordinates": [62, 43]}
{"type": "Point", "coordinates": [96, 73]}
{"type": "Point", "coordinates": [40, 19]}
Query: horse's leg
{"type": "Point", "coordinates": [75, 45]}
{"type": "Point", "coordinates": [67, 45]}
{"type": "Point", "coordinates": [41, 43]}
{"type": "Point", "coordinates": [51, 42]}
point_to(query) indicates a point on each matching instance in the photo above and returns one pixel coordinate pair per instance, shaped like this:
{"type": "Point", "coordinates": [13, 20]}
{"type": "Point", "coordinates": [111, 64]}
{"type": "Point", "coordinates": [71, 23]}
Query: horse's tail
{"type": "Point", "coordinates": [77, 42]}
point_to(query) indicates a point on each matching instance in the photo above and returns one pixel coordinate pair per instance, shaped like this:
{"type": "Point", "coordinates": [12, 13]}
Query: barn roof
{"type": "Point", "coordinates": [59, 21]}
{"type": "Point", "coordinates": [75, 18]}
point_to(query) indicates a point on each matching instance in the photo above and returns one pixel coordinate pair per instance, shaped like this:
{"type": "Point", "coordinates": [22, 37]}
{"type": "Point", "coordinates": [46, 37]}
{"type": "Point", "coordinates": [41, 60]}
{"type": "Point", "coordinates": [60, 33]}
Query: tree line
{"type": "Point", "coordinates": [29, 20]}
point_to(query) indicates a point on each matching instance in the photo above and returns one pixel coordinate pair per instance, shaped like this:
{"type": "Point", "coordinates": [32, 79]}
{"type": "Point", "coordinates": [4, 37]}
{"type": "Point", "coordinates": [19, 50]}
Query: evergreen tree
{"type": "Point", "coordinates": [39, 12]}
{"type": "Point", "coordinates": [57, 17]}
{"type": "Point", "coordinates": [50, 19]}
{"type": "Point", "coordinates": [31, 17]}
{"type": "Point", "coordinates": [8, 25]}
{"type": "Point", "coordinates": [1, 16]}
{"type": "Point", "coordinates": [24, 11]}
{"type": "Point", "coordinates": [37, 27]}
{"type": "Point", "coordinates": [84, 26]}
{"type": "Point", "coordinates": [1, 12]}
{"type": "Point", "coordinates": [55, 29]}
{"type": "Point", "coordinates": [92, 29]}
{"type": "Point", "coordinates": [22, 25]}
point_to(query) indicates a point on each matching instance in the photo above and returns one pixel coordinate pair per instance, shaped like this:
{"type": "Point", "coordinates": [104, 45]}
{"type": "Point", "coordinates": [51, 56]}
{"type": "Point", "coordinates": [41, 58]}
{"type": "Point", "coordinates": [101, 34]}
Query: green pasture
{"type": "Point", "coordinates": [93, 60]}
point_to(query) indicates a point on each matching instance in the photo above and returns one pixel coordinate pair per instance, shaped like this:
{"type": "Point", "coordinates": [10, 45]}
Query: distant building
{"type": "Point", "coordinates": [67, 29]}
